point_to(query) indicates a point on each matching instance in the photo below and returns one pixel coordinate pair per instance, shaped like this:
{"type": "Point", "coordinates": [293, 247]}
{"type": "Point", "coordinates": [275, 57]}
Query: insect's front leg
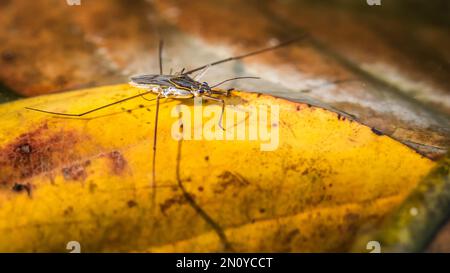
{"type": "Point", "coordinates": [223, 108]}
{"type": "Point", "coordinates": [221, 92]}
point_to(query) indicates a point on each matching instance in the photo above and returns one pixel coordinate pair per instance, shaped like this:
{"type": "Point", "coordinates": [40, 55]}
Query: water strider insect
{"type": "Point", "coordinates": [175, 86]}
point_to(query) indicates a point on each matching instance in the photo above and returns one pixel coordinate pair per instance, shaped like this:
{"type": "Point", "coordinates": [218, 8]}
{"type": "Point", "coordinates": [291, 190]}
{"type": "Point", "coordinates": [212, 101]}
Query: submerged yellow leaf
{"type": "Point", "coordinates": [88, 179]}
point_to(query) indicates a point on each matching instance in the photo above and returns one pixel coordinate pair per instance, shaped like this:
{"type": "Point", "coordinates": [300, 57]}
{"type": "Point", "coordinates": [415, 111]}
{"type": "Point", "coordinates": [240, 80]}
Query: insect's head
{"type": "Point", "coordinates": [203, 89]}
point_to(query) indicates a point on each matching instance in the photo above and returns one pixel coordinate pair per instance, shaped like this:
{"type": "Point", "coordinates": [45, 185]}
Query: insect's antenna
{"type": "Point", "coordinates": [285, 43]}
{"type": "Point", "coordinates": [160, 48]}
{"type": "Point", "coordinates": [233, 79]}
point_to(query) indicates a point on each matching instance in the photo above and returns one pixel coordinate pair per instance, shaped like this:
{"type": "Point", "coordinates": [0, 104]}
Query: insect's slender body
{"type": "Point", "coordinates": [170, 86]}
{"type": "Point", "coordinates": [180, 86]}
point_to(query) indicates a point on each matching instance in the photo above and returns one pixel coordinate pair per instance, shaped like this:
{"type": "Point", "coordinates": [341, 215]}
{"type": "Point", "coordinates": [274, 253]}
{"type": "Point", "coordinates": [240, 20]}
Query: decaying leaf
{"type": "Point", "coordinates": [89, 178]}
{"type": "Point", "coordinates": [412, 226]}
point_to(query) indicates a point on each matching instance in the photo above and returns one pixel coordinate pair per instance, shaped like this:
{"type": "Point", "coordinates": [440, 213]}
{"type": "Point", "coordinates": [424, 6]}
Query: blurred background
{"type": "Point", "coordinates": [387, 65]}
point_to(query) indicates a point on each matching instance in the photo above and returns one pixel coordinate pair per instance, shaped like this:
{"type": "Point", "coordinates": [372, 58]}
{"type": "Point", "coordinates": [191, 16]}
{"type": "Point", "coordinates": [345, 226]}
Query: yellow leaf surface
{"type": "Point", "coordinates": [88, 179]}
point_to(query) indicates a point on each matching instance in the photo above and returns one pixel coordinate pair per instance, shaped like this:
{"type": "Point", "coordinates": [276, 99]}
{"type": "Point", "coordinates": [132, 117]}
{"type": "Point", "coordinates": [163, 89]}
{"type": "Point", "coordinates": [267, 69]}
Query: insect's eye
{"type": "Point", "coordinates": [205, 87]}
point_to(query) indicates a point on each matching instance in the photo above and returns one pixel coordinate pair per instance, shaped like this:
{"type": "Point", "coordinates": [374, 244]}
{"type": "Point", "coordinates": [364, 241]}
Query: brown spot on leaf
{"type": "Point", "coordinates": [290, 236]}
{"type": "Point", "coordinates": [19, 187]}
{"type": "Point", "coordinates": [230, 179]}
{"type": "Point", "coordinates": [76, 172]}
{"type": "Point", "coordinates": [61, 81]}
{"type": "Point", "coordinates": [8, 56]}
{"type": "Point", "coordinates": [179, 199]}
{"type": "Point", "coordinates": [118, 162]}
{"type": "Point", "coordinates": [92, 187]}
{"type": "Point", "coordinates": [131, 203]}
{"type": "Point", "coordinates": [69, 210]}
{"type": "Point", "coordinates": [351, 217]}
{"type": "Point", "coordinates": [35, 152]}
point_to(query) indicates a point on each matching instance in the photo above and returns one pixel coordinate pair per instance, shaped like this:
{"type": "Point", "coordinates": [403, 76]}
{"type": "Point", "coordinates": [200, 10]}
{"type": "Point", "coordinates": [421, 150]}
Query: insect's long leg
{"type": "Point", "coordinates": [223, 108]}
{"type": "Point", "coordinates": [89, 111]}
{"type": "Point", "coordinates": [161, 44]}
{"type": "Point", "coordinates": [285, 43]}
{"type": "Point", "coordinates": [155, 131]}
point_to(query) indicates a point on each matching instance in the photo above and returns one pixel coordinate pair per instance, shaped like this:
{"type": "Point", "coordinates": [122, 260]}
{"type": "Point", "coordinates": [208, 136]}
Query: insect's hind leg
{"type": "Point", "coordinates": [89, 111]}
